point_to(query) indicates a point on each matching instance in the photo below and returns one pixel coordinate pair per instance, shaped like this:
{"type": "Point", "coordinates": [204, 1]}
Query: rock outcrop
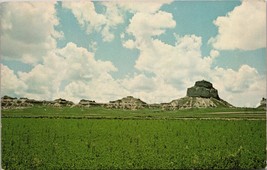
{"type": "Point", "coordinates": [89, 103]}
{"type": "Point", "coordinates": [203, 89]}
{"type": "Point", "coordinates": [62, 102]}
{"type": "Point", "coordinates": [201, 95]}
{"type": "Point", "coordinates": [128, 102]}
{"type": "Point", "coordinates": [262, 103]}
{"type": "Point", "coordinates": [195, 102]}
{"type": "Point", "coordinates": [8, 102]}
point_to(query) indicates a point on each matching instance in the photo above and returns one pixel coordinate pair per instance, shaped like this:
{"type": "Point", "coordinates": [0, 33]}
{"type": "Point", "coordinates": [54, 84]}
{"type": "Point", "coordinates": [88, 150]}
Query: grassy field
{"type": "Point", "coordinates": [96, 138]}
{"type": "Point", "coordinates": [99, 112]}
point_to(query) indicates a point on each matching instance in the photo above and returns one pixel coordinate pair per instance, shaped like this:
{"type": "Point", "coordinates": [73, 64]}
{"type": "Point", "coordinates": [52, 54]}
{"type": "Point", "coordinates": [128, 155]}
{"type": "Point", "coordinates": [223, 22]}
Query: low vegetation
{"type": "Point", "coordinates": [99, 112]}
{"type": "Point", "coordinates": [98, 138]}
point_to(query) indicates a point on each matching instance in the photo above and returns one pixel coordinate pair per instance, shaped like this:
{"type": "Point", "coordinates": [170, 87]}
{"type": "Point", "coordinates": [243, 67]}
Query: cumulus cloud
{"type": "Point", "coordinates": [150, 89]}
{"type": "Point", "coordinates": [129, 44]}
{"type": "Point", "coordinates": [173, 63]}
{"type": "Point", "coordinates": [143, 6]}
{"type": "Point", "coordinates": [88, 18]}
{"type": "Point", "coordinates": [243, 28]}
{"type": "Point", "coordinates": [64, 72]}
{"type": "Point", "coordinates": [164, 60]}
{"type": "Point", "coordinates": [28, 32]}
{"type": "Point", "coordinates": [10, 83]}
{"type": "Point", "coordinates": [235, 85]}
{"type": "Point", "coordinates": [113, 15]}
{"type": "Point", "coordinates": [102, 89]}
{"type": "Point", "coordinates": [145, 25]}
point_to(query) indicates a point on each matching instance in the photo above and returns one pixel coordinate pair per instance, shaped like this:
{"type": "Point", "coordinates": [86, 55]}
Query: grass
{"type": "Point", "coordinates": [99, 138]}
{"type": "Point", "coordinates": [99, 112]}
{"type": "Point", "coordinates": [132, 144]}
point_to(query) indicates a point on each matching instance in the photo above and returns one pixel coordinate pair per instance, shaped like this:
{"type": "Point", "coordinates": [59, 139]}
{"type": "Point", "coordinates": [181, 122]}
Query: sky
{"type": "Point", "coordinates": [152, 50]}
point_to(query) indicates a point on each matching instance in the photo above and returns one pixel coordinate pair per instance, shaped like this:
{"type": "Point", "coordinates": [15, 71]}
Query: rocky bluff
{"type": "Point", "coordinates": [203, 89]}
{"type": "Point", "coordinates": [128, 102]}
{"type": "Point", "coordinates": [201, 95]}
{"type": "Point", "coordinates": [8, 102]}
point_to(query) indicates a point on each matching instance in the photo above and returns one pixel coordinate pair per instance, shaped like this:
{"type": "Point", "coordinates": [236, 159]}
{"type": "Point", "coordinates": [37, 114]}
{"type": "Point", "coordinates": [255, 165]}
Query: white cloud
{"type": "Point", "coordinates": [143, 6]}
{"type": "Point", "coordinates": [150, 89]}
{"type": "Point", "coordinates": [173, 62]}
{"type": "Point", "coordinates": [85, 13]}
{"type": "Point", "coordinates": [28, 32]}
{"type": "Point", "coordinates": [30, 59]}
{"type": "Point", "coordinates": [88, 18]}
{"type": "Point", "coordinates": [113, 15]}
{"type": "Point", "coordinates": [10, 83]}
{"type": "Point", "coordinates": [40, 83]}
{"type": "Point", "coordinates": [237, 81]}
{"type": "Point", "coordinates": [214, 53]}
{"type": "Point", "coordinates": [129, 44]}
{"type": "Point", "coordinates": [82, 64]}
{"type": "Point", "coordinates": [164, 60]}
{"type": "Point", "coordinates": [243, 28]}
{"type": "Point", "coordinates": [145, 25]}
{"type": "Point", "coordinates": [102, 89]}
{"type": "Point", "coordinates": [244, 87]}
{"type": "Point", "coordinates": [139, 83]}
{"type": "Point", "coordinates": [93, 46]}
{"type": "Point", "coordinates": [61, 70]}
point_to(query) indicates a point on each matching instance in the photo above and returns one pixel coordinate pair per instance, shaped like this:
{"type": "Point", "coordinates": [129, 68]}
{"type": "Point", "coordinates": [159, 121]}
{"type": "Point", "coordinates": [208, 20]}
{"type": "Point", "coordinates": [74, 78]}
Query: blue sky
{"type": "Point", "coordinates": [151, 50]}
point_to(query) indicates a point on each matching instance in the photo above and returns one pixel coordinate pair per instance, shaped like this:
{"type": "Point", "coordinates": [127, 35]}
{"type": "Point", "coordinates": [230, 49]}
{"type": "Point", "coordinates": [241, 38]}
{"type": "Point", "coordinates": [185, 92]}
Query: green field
{"type": "Point", "coordinates": [103, 113]}
{"type": "Point", "coordinates": [96, 138]}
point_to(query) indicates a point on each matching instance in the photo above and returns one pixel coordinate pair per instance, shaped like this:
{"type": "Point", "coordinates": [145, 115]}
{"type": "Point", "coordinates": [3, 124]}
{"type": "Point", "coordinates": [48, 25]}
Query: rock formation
{"type": "Point", "coordinates": [196, 102]}
{"type": "Point", "coordinates": [62, 102]}
{"type": "Point", "coordinates": [8, 102]}
{"type": "Point", "coordinates": [201, 95]}
{"type": "Point", "coordinates": [202, 89]}
{"type": "Point", "coordinates": [88, 103]}
{"type": "Point", "coordinates": [128, 102]}
{"type": "Point", "coordinates": [262, 103]}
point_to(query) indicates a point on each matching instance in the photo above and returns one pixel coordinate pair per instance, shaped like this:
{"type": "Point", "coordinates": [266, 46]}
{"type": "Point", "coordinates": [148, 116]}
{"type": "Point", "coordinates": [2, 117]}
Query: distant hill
{"type": "Point", "coordinates": [201, 95]}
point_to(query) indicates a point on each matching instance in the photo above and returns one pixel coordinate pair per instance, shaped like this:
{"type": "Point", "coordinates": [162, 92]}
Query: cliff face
{"type": "Point", "coordinates": [203, 89]}
{"type": "Point", "coordinates": [201, 95]}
